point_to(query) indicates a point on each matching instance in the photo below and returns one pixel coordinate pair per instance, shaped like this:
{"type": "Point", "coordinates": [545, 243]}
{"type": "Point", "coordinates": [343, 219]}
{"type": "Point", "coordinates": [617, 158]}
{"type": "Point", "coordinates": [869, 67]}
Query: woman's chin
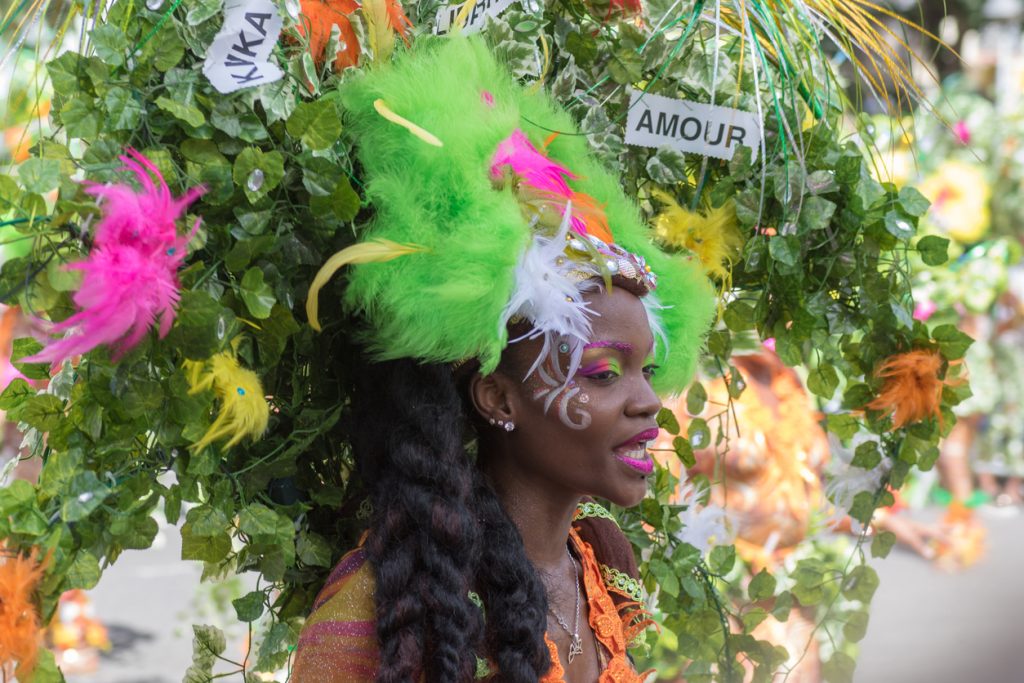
{"type": "Point", "coordinates": [629, 495]}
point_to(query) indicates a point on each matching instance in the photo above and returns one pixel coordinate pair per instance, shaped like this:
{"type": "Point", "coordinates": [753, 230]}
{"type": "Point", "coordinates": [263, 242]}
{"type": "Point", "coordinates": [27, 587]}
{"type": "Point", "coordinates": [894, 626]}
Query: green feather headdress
{"type": "Point", "coordinates": [459, 236]}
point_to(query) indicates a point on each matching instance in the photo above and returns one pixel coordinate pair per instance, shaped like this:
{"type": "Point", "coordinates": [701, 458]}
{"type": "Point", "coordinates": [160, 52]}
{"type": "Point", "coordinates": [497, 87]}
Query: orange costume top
{"type": "Point", "coordinates": [339, 644]}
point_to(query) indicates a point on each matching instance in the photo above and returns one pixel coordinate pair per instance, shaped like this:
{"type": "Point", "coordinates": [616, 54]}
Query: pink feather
{"type": "Point", "coordinates": [535, 169]}
{"type": "Point", "coordinates": [549, 178]}
{"type": "Point", "coordinates": [130, 279]}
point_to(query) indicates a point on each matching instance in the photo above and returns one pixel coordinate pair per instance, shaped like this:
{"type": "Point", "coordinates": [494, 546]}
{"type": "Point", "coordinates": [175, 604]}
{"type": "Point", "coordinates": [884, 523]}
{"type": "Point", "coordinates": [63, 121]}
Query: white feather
{"type": "Point", "coordinates": [550, 299]}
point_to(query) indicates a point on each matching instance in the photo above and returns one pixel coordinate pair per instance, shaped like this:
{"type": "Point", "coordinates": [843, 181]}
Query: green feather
{"type": "Point", "coordinates": [444, 303]}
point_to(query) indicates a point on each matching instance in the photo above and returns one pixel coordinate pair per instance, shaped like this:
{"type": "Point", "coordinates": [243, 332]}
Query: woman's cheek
{"type": "Point", "coordinates": [568, 401]}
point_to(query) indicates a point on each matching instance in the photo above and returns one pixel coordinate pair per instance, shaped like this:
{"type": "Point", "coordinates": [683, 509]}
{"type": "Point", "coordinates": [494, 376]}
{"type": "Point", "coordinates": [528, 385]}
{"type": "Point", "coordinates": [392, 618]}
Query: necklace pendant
{"type": "Point", "coordinates": [575, 647]}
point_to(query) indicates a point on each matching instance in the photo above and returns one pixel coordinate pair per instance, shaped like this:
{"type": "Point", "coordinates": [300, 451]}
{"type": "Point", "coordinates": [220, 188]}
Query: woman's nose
{"type": "Point", "coordinates": [645, 401]}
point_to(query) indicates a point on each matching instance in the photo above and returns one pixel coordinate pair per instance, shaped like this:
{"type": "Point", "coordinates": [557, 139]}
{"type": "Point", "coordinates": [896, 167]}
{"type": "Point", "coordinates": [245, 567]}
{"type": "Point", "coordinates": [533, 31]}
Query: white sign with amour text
{"type": "Point", "coordinates": [239, 55]}
{"type": "Point", "coordinates": [477, 16]}
{"type": "Point", "coordinates": [711, 130]}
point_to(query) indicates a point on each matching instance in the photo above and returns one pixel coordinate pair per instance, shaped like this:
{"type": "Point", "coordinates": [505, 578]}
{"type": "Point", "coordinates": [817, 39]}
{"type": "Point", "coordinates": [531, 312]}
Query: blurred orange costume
{"type": "Point", "coordinates": [768, 480]}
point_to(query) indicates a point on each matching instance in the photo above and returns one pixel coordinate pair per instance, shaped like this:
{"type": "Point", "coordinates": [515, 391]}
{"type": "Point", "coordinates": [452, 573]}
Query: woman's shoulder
{"type": "Point", "coordinates": [338, 643]}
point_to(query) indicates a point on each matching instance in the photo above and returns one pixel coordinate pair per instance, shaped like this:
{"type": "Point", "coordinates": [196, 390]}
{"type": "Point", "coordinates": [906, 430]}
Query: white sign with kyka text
{"type": "Point", "coordinates": [239, 56]}
{"type": "Point", "coordinates": [711, 130]}
{"type": "Point", "coordinates": [477, 15]}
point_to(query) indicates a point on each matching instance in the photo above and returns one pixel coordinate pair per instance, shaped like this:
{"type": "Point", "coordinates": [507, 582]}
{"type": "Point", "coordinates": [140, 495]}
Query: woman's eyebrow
{"type": "Point", "coordinates": [618, 346]}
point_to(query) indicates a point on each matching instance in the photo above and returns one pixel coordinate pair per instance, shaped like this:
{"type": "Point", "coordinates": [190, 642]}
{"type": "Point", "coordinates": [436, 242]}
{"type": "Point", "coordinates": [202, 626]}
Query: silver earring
{"type": "Point", "coordinates": [509, 426]}
{"type": "Point", "coordinates": [491, 420]}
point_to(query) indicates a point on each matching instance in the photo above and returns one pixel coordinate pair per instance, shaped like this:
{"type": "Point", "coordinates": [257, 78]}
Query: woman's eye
{"type": "Point", "coordinates": [651, 370]}
{"type": "Point", "coordinates": [603, 376]}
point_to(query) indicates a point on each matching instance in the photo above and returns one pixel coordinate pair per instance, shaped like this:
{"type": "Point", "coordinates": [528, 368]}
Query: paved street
{"type": "Point", "coordinates": [931, 627]}
{"type": "Point", "coordinates": [926, 626]}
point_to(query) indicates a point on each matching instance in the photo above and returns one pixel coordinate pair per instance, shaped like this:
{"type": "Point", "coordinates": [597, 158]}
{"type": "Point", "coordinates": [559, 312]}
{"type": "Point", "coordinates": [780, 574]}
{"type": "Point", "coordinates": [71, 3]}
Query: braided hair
{"type": "Point", "coordinates": [433, 511]}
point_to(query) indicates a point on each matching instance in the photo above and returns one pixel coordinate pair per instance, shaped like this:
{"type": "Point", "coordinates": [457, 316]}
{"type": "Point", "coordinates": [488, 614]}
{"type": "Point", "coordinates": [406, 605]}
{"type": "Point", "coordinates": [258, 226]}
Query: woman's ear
{"type": "Point", "coordinates": [492, 397]}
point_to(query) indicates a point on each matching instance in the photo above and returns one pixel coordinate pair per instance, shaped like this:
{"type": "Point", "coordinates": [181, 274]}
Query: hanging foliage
{"type": "Point", "coordinates": [808, 249]}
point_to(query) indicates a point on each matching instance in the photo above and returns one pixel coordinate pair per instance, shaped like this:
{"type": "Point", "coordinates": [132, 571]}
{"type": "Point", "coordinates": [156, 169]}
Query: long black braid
{"type": "Point", "coordinates": [432, 510]}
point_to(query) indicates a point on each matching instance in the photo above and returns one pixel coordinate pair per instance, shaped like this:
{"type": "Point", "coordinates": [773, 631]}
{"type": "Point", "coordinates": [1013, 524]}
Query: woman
{"type": "Point", "coordinates": [515, 322]}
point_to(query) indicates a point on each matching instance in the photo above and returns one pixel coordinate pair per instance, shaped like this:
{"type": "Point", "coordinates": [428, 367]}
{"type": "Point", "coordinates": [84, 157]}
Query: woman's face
{"type": "Point", "coordinates": [588, 437]}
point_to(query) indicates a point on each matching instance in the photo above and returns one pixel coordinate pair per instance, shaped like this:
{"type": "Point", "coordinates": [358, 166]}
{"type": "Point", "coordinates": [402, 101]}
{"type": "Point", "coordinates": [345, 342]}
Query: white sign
{"type": "Point", "coordinates": [658, 121]}
{"type": "Point", "coordinates": [239, 55]}
{"type": "Point", "coordinates": [476, 19]}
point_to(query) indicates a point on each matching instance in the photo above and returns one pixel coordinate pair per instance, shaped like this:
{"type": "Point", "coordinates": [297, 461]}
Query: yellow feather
{"type": "Point", "coordinates": [243, 408]}
{"type": "Point", "coordinates": [371, 251]}
{"type": "Point", "coordinates": [715, 239]}
{"type": "Point", "coordinates": [391, 116]}
{"type": "Point", "coordinates": [378, 29]}
{"type": "Point", "coordinates": [463, 15]}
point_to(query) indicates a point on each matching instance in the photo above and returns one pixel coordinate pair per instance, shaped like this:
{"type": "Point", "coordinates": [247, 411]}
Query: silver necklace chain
{"type": "Point", "coordinates": [575, 644]}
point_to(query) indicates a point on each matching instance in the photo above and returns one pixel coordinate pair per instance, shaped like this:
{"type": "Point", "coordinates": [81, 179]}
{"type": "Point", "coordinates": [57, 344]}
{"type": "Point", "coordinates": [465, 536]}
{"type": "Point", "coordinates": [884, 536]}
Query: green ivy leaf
{"type": "Point", "coordinates": [809, 584]}
{"type": "Point", "coordinates": [188, 113]}
{"type": "Point", "coordinates": [626, 66]}
{"type": "Point", "coordinates": [317, 124]}
{"type": "Point", "coordinates": [202, 327]}
{"type": "Point", "coordinates": [696, 397]}
{"type": "Point", "coordinates": [249, 607]}
{"type": "Point", "coordinates": [762, 586]}
{"type": "Point", "coordinates": [739, 316]}
{"type": "Point", "coordinates": [110, 44]}
{"type": "Point", "coordinates": [134, 531]}
{"type": "Point", "coordinates": [722, 559]}
{"type": "Point", "coordinates": [42, 411]}
{"type": "Point", "coordinates": [83, 573]}
{"type": "Point", "coordinates": [343, 202]}
{"type": "Point", "coordinates": [667, 166]}
{"type": "Point", "coordinates": [823, 381]}
{"type": "Point", "coordinates": [952, 342]}
{"type": "Point", "coordinates": [867, 455]}
{"type": "Point", "coordinates": [816, 213]}
{"type": "Point", "coordinates": [667, 421]}
{"type": "Point", "coordinates": [80, 118]}
{"type": "Point", "coordinates": [752, 618]}
{"type": "Point", "coordinates": [913, 202]}
{"type": "Point", "coordinates": [124, 112]}
{"type": "Point", "coordinates": [257, 294]}
{"type": "Point", "coordinates": [204, 548]}
{"type": "Point", "coordinates": [933, 250]}
{"type": "Point", "coordinates": [29, 522]}
{"type": "Point", "coordinates": [783, 606]}
{"type": "Point", "coordinates": [15, 395]}
{"type": "Point", "coordinates": [785, 249]}
{"type": "Point", "coordinates": [85, 493]}
{"type": "Point", "coordinates": [165, 50]}
{"type": "Point", "coordinates": [698, 433]}
{"type": "Point", "coordinates": [861, 584]}
{"type": "Point", "coordinates": [839, 669]}
{"type": "Point", "coordinates": [856, 627]}
{"type": "Point", "coordinates": [857, 396]}
{"type": "Point", "coordinates": [882, 543]}
{"type": "Point", "coordinates": [665, 573]}
{"type": "Point", "coordinates": [313, 549]}
{"type": "Point", "coordinates": [208, 643]}
{"type": "Point", "coordinates": [684, 451]}
{"type": "Point", "coordinates": [45, 671]}
{"type": "Point", "coordinates": [261, 522]}
{"type": "Point", "coordinates": [842, 425]}
{"type": "Point", "coordinates": [39, 175]}
{"type": "Point", "coordinates": [863, 507]}
{"type": "Point", "coordinates": [899, 225]}
{"type": "Point", "coordinates": [274, 651]}
{"type": "Point", "coordinates": [269, 164]}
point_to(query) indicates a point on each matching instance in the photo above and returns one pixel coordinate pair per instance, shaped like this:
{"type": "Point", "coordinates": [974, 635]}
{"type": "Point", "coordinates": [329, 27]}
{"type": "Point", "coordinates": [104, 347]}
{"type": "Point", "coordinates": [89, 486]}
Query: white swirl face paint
{"type": "Point", "coordinates": [554, 390]}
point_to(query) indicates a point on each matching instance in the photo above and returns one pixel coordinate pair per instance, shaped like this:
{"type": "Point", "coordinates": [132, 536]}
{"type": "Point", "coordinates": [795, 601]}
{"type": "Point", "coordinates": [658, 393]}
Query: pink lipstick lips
{"type": "Point", "coordinates": [634, 451]}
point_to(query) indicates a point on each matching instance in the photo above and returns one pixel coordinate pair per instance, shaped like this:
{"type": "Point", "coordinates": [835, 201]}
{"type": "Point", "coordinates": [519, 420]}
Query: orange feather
{"type": "Point", "coordinates": [19, 622]}
{"type": "Point", "coordinates": [912, 390]}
